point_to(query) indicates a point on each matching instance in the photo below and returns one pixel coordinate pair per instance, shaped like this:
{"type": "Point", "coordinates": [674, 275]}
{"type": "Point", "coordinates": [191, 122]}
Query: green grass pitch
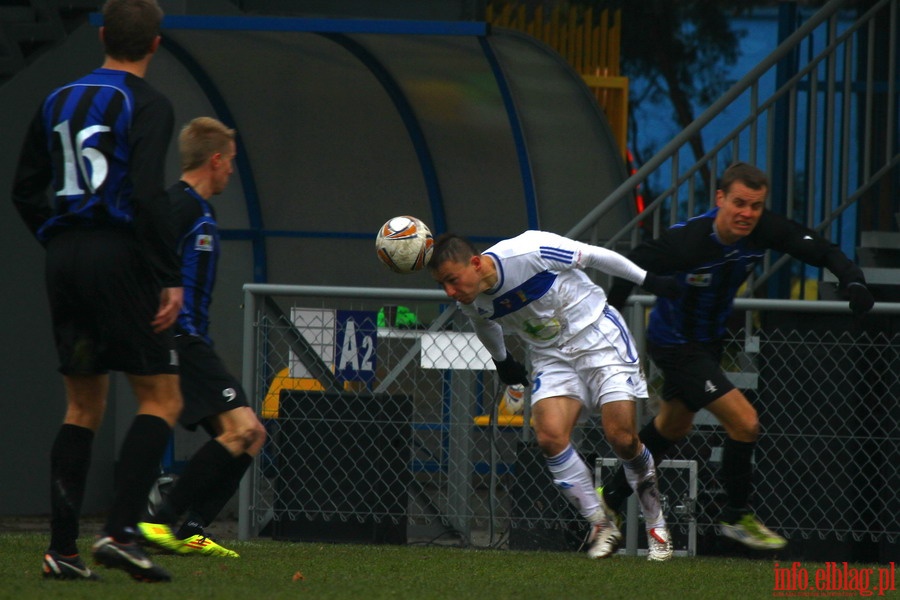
{"type": "Point", "coordinates": [272, 569]}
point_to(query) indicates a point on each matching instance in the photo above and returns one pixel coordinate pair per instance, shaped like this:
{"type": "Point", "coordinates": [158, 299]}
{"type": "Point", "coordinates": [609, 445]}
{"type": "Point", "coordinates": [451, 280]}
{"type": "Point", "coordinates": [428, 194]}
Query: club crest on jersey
{"type": "Point", "coordinates": [513, 300]}
{"type": "Point", "coordinates": [204, 243]}
{"type": "Point", "coordinates": [541, 329]}
{"type": "Point", "coordinates": [699, 279]}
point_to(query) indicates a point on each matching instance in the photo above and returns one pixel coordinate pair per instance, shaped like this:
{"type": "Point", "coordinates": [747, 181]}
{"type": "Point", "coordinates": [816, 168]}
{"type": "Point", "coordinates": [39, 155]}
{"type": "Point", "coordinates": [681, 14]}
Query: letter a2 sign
{"type": "Point", "coordinates": [355, 344]}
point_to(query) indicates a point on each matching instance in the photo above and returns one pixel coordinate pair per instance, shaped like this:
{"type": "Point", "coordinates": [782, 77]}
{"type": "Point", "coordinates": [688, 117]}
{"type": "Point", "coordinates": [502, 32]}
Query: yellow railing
{"type": "Point", "coordinates": [590, 43]}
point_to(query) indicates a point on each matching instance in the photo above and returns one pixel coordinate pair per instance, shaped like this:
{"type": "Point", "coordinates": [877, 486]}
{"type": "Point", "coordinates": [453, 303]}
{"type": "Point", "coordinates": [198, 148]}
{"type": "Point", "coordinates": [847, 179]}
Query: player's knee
{"type": "Point", "coordinates": [175, 404]}
{"type": "Point", "coordinates": [169, 408]}
{"type": "Point", "coordinates": [86, 414]}
{"type": "Point", "coordinates": [623, 441]}
{"type": "Point", "coordinates": [158, 395]}
{"type": "Point", "coordinates": [675, 431]}
{"type": "Point", "coordinates": [746, 430]}
{"type": "Point", "coordinates": [551, 444]}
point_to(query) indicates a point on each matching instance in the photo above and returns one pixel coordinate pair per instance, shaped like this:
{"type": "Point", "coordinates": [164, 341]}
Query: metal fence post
{"type": "Point", "coordinates": [248, 373]}
{"type": "Point", "coordinates": [637, 327]}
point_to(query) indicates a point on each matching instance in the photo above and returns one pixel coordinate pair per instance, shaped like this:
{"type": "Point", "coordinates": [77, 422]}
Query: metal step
{"type": "Point", "coordinates": [878, 257]}
{"type": "Point", "coordinates": [874, 276]}
{"type": "Point", "coordinates": [888, 240]}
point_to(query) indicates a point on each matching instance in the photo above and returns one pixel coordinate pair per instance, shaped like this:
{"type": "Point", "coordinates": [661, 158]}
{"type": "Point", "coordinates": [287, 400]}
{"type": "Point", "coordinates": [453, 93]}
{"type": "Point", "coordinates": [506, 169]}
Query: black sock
{"type": "Point", "coordinates": [137, 469]}
{"type": "Point", "coordinates": [616, 493]}
{"type": "Point", "coordinates": [209, 507]}
{"type": "Point", "coordinates": [193, 525]}
{"type": "Point", "coordinates": [70, 459]}
{"type": "Point", "coordinates": [201, 473]}
{"type": "Point", "coordinates": [736, 475]}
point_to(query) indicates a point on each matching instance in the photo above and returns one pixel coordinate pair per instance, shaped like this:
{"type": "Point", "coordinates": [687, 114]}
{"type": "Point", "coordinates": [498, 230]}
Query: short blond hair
{"type": "Point", "coordinates": [200, 139]}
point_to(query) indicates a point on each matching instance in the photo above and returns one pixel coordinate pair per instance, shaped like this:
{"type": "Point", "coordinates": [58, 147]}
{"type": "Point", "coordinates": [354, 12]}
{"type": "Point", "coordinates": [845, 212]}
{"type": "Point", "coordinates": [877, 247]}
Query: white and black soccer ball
{"type": "Point", "coordinates": [404, 244]}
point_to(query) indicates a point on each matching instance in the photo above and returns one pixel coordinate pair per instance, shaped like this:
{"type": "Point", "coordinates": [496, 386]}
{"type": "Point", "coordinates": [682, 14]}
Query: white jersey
{"type": "Point", "coordinates": [542, 294]}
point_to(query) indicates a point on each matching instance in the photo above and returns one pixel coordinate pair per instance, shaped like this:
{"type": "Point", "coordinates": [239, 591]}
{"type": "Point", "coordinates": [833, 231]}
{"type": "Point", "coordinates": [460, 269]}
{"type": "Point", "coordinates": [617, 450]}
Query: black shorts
{"type": "Point", "coordinates": [103, 297]}
{"type": "Point", "coordinates": [207, 387]}
{"type": "Point", "coordinates": [692, 372]}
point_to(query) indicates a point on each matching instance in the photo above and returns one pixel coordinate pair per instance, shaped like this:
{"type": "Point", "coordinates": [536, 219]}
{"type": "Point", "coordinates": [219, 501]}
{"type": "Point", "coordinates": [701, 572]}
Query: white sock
{"type": "Point", "coordinates": [640, 472]}
{"type": "Point", "coordinates": [574, 480]}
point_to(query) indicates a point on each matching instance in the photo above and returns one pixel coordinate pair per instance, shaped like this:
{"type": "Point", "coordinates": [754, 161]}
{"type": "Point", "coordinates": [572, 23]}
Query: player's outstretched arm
{"type": "Point", "coordinates": [662, 285]}
{"type": "Point", "coordinates": [805, 244]}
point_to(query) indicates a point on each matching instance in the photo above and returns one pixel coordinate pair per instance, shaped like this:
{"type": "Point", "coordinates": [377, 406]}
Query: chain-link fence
{"type": "Point", "coordinates": [387, 423]}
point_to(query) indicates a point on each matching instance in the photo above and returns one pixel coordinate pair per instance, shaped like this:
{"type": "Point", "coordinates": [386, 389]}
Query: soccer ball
{"type": "Point", "coordinates": [404, 244]}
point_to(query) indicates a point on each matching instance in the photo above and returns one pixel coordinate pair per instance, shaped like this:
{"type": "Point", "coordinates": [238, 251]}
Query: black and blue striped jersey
{"type": "Point", "coordinates": [711, 272]}
{"type": "Point", "coordinates": [198, 247]}
{"type": "Point", "coordinates": [99, 144]}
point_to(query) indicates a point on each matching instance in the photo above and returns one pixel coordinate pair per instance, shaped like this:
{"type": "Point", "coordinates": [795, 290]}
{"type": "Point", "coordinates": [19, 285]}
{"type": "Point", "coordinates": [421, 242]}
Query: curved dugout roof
{"type": "Point", "coordinates": [344, 123]}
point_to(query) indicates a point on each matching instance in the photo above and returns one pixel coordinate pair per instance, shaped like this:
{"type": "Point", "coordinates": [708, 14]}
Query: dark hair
{"type": "Point", "coordinates": [741, 172]}
{"type": "Point", "coordinates": [449, 247]}
{"type": "Point", "coordinates": [129, 28]}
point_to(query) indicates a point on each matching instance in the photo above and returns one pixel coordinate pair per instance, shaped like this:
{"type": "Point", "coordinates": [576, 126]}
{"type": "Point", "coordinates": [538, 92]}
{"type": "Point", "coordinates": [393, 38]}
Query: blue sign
{"type": "Point", "coordinates": [355, 344]}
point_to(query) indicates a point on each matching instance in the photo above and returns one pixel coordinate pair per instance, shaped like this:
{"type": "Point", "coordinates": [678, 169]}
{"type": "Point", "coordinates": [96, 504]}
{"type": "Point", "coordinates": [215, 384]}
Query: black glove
{"type": "Point", "coordinates": [662, 286]}
{"type": "Point", "coordinates": [861, 300]}
{"type": "Point", "coordinates": [618, 294]}
{"type": "Point", "coordinates": [512, 371]}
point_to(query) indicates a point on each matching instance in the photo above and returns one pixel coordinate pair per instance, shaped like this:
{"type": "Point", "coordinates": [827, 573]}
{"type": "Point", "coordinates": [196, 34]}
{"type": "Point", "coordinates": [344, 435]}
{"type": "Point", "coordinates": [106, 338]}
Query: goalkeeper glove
{"type": "Point", "coordinates": [662, 286]}
{"type": "Point", "coordinates": [861, 300]}
{"type": "Point", "coordinates": [511, 371]}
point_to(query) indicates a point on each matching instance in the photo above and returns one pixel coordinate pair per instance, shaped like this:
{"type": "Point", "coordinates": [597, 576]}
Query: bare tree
{"type": "Point", "coordinates": [683, 49]}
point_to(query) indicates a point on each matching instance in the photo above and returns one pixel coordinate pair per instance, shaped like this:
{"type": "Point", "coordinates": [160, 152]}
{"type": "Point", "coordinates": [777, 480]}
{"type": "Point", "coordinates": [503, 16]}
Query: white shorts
{"type": "Point", "coordinates": [599, 365]}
